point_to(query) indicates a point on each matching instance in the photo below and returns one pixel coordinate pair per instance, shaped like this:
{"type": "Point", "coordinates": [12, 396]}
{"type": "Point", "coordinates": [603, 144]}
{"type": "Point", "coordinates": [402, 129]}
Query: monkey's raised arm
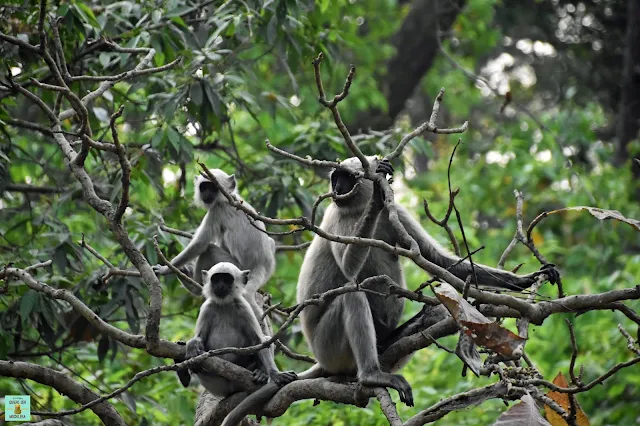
{"type": "Point", "coordinates": [198, 244]}
{"type": "Point", "coordinates": [435, 253]}
{"type": "Point", "coordinates": [354, 256]}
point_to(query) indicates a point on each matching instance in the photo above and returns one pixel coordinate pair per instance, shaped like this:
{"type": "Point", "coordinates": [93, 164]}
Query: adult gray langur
{"type": "Point", "coordinates": [234, 238]}
{"type": "Point", "coordinates": [226, 320]}
{"type": "Point", "coordinates": [343, 333]}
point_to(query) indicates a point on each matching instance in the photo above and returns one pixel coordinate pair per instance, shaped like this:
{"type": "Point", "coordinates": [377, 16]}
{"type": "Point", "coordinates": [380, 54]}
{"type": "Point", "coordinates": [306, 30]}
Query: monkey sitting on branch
{"type": "Point", "coordinates": [226, 235]}
{"type": "Point", "coordinates": [226, 320]}
{"type": "Point", "coordinates": [343, 334]}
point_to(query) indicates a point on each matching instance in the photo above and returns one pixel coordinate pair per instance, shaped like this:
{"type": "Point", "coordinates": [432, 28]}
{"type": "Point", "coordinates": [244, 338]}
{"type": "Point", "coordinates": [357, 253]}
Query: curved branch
{"type": "Point", "coordinates": [63, 384]}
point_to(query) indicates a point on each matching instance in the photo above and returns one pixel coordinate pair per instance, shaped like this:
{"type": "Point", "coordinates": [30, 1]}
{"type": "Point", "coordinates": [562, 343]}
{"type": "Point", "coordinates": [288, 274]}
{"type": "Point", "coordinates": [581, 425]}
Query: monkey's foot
{"type": "Point", "coordinates": [283, 378]}
{"type": "Point", "coordinates": [388, 380]}
{"type": "Point", "coordinates": [184, 376]}
{"type": "Point", "coordinates": [259, 377]}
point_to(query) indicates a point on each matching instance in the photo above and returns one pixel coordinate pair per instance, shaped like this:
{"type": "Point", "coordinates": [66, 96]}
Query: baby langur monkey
{"type": "Point", "coordinates": [226, 320]}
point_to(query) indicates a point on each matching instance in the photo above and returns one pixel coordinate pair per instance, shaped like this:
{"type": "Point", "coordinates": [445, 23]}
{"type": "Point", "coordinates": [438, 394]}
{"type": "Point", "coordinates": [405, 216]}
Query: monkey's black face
{"type": "Point", "coordinates": [342, 183]}
{"type": "Point", "coordinates": [208, 192]}
{"type": "Point", "coordinates": [221, 284]}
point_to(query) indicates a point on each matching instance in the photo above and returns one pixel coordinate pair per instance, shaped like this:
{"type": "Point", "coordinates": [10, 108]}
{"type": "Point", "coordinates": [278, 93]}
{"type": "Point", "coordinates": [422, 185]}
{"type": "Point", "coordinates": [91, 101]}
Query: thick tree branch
{"type": "Point", "coordinates": [63, 384]}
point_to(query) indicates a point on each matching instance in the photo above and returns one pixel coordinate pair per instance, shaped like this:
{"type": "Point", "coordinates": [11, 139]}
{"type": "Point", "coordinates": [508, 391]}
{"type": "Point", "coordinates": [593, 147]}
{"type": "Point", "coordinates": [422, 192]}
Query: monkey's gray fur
{"type": "Point", "coordinates": [227, 320]}
{"type": "Point", "coordinates": [236, 239]}
{"type": "Point", "coordinates": [343, 334]}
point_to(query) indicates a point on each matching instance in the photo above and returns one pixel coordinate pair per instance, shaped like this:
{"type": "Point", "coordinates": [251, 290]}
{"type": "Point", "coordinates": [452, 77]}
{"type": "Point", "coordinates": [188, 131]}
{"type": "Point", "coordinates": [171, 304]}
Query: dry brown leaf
{"type": "Point", "coordinates": [563, 400]}
{"type": "Point", "coordinates": [482, 330]}
{"type": "Point", "coordinates": [526, 412]}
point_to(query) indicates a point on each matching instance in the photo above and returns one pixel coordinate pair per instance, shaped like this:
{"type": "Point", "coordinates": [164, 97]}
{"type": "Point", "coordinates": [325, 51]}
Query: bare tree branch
{"type": "Point", "coordinates": [63, 384]}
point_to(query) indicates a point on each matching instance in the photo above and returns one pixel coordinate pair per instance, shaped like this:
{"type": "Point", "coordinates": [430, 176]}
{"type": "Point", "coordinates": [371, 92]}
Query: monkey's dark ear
{"type": "Point", "coordinates": [232, 182]}
{"type": "Point", "coordinates": [245, 276]}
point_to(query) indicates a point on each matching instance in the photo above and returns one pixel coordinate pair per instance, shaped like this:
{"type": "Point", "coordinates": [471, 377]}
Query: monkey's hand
{"type": "Point", "coordinates": [384, 168]}
{"type": "Point", "coordinates": [161, 270]}
{"type": "Point", "coordinates": [283, 378]}
{"type": "Point", "coordinates": [550, 273]}
{"type": "Point", "coordinates": [195, 347]}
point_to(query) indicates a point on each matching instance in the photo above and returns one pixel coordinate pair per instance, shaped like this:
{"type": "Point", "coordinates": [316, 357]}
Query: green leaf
{"type": "Point", "coordinates": [272, 29]}
{"type": "Point", "coordinates": [63, 9]}
{"type": "Point", "coordinates": [157, 138]}
{"type": "Point", "coordinates": [324, 5]}
{"type": "Point", "coordinates": [178, 11]}
{"type": "Point", "coordinates": [174, 138]}
{"type": "Point", "coordinates": [27, 303]}
{"type": "Point", "coordinates": [87, 14]}
{"type": "Point", "coordinates": [195, 93]}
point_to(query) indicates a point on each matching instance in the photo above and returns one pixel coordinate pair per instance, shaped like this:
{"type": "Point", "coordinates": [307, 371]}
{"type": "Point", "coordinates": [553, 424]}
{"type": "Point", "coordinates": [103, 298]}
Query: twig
{"type": "Point", "coordinates": [585, 388]}
{"type": "Point", "coordinates": [465, 293]}
{"type": "Point", "coordinates": [176, 231]}
{"type": "Point", "coordinates": [296, 247]}
{"type": "Point", "coordinates": [459, 401]}
{"type": "Point", "coordinates": [317, 203]}
{"type": "Point", "coordinates": [333, 196]}
{"type": "Point", "coordinates": [518, 236]}
{"type": "Point", "coordinates": [333, 107]}
{"type": "Point", "coordinates": [427, 126]}
{"type": "Point", "coordinates": [95, 253]}
{"type": "Point", "coordinates": [189, 283]}
{"type": "Point", "coordinates": [294, 355]}
{"type": "Point", "coordinates": [574, 353]}
{"type": "Point", "coordinates": [314, 163]}
{"type": "Point", "coordinates": [125, 165]}
{"type": "Point", "coordinates": [459, 261]}
{"type": "Point", "coordinates": [632, 344]}
{"type": "Point", "coordinates": [444, 223]}
{"type": "Point", "coordinates": [269, 310]}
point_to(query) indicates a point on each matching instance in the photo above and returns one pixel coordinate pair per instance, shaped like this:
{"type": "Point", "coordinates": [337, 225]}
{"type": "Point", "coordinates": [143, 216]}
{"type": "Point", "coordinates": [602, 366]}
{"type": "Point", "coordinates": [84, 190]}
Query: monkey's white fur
{"type": "Point", "coordinates": [240, 279]}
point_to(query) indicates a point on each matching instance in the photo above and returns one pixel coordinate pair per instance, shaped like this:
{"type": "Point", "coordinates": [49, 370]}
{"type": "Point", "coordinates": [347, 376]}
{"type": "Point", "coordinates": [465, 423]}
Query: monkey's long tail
{"type": "Point", "coordinates": [251, 403]}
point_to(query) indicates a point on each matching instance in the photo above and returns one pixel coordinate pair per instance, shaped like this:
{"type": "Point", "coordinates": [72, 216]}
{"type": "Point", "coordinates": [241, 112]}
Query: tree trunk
{"type": "Point", "coordinates": [629, 111]}
{"type": "Point", "coordinates": [416, 49]}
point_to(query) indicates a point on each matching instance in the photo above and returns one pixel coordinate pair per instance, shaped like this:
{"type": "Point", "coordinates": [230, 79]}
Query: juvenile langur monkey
{"type": "Point", "coordinates": [343, 334]}
{"type": "Point", "coordinates": [226, 320]}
